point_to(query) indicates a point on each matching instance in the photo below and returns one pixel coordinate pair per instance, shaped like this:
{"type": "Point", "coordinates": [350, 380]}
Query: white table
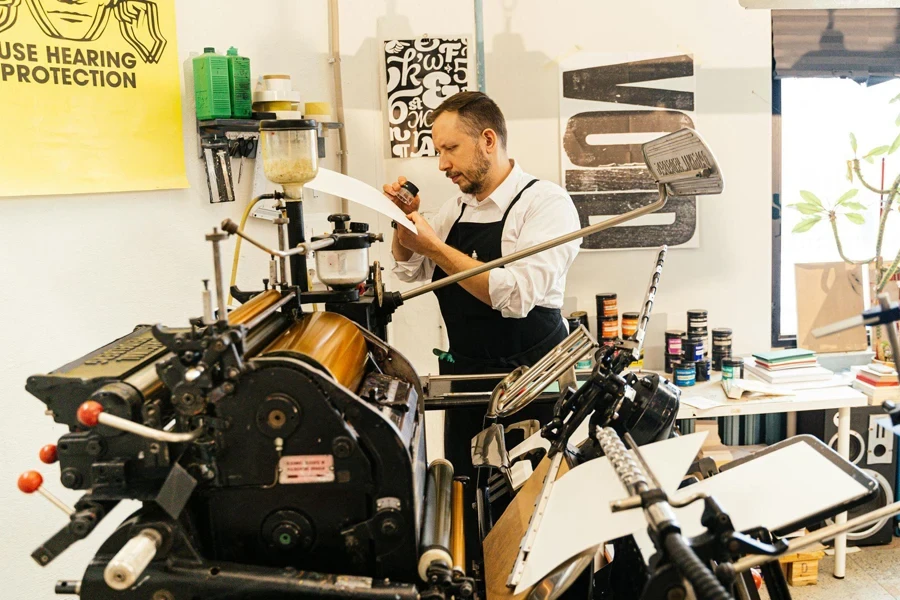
{"type": "Point", "coordinates": [711, 397]}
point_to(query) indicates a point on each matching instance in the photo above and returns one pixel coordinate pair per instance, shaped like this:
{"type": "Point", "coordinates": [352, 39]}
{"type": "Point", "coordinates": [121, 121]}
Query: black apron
{"type": "Point", "coordinates": [482, 340]}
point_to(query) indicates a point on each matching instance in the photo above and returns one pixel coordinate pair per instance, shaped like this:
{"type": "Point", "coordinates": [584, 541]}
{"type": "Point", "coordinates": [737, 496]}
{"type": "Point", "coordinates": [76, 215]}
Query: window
{"type": "Point", "coordinates": [817, 117]}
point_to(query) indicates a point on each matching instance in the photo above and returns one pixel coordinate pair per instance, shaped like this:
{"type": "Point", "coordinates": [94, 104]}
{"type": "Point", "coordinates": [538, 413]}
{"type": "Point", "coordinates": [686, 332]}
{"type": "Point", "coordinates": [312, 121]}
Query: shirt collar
{"type": "Point", "coordinates": [504, 193]}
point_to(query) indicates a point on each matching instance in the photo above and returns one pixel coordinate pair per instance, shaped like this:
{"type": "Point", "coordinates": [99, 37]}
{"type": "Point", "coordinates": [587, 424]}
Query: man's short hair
{"type": "Point", "coordinates": [476, 111]}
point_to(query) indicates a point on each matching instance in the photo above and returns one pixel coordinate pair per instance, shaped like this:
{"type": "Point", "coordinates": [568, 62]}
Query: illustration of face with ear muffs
{"type": "Point", "coordinates": [86, 20]}
{"type": "Point", "coordinates": [9, 10]}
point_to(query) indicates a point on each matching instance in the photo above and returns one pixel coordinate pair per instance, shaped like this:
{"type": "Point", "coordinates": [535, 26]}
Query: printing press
{"type": "Point", "coordinates": [279, 452]}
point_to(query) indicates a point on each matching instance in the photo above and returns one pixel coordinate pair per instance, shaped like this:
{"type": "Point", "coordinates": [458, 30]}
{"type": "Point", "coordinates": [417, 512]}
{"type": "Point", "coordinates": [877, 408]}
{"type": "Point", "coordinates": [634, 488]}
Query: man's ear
{"type": "Point", "coordinates": [491, 141]}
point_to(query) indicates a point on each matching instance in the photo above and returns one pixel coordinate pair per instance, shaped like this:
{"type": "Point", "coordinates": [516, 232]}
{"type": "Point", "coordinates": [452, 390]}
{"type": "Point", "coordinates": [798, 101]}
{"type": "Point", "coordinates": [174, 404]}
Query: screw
{"type": "Point", "coordinates": [154, 448]}
{"type": "Point", "coordinates": [390, 526]}
{"type": "Point", "coordinates": [187, 398]}
{"type": "Point", "coordinates": [219, 346]}
{"type": "Point", "coordinates": [232, 373]}
{"type": "Point", "coordinates": [93, 447]}
{"type": "Point", "coordinates": [342, 447]}
{"type": "Point", "coordinates": [70, 478]}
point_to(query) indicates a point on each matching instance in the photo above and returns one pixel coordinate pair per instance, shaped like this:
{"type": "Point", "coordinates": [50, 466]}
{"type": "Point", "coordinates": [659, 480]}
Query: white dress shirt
{"type": "Point", "coordinates": [545, 211]}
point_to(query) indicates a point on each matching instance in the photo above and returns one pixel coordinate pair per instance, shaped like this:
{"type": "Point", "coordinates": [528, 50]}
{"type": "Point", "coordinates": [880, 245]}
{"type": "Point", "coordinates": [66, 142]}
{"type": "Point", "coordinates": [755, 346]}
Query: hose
{"type": "Point", "coordinates": [705, 584]}
{"type": "Point", "coordinates": [237, 243]}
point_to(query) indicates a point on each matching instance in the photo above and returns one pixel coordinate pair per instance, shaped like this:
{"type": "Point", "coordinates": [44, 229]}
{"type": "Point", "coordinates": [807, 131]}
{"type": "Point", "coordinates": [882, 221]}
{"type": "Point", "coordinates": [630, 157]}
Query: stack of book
{"type": "Point", "coordinates": [788, 366]}
{"type": "Point", "coordinates": [877, 381]}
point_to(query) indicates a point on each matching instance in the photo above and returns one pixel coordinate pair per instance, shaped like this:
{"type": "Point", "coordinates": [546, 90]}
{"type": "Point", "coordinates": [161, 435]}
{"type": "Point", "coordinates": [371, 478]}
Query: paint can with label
{"type": "Point", "coordinates": [697, 320]}
{"type": "Point", "coordinates": [630, 324]}
{"type": "Point", "coordinates": [608, 327]}
{"type": "Point", "coordinates": [673, 347]}
{"type": "Point", "coordinates": [721, 346]}
{"type": "Point", "coordinates": [702, 370]}
{"type": "Point", "coordinates": [686, 373]}
{"type": "Point", "coordinates": [732, 368]}
{"type": "Point", "coordinates": [692, 348]}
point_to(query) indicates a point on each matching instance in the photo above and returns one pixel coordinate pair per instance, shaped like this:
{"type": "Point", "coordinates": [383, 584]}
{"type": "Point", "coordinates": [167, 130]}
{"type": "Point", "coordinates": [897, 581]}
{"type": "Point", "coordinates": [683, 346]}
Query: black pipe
{"type": "Point", "coordinates": [705, 584]}
{"type": "Point", "coordinates": [296, 236]}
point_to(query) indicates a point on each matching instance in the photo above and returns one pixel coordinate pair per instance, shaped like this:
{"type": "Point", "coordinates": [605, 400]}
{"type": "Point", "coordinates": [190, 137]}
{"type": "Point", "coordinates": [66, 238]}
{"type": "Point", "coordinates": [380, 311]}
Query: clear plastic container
{"type": "Point", "coordinates": [290, 154]}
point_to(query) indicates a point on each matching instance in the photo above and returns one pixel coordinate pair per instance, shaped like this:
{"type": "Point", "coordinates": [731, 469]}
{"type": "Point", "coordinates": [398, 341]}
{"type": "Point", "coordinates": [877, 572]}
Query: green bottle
{"type": "Point", "coordinates": [211, 92]}
{"type": "Point", "coordinates": [239, 84]}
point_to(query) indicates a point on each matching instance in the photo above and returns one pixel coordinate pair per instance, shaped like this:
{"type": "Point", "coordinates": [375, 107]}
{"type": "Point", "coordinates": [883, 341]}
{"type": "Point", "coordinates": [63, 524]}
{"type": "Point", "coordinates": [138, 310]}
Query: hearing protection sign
{"type": "Point", "coordinates": [91, 97]}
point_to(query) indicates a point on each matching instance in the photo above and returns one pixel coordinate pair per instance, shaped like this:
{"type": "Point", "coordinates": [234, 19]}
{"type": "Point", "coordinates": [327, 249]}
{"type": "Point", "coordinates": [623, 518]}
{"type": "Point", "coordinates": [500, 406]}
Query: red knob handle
{"type": "Point", "coordinates": [89, 413]}
{"type": "Point", "coordinates": [48, 454]}
{"type": "Point", "coordinates": [30, 481]}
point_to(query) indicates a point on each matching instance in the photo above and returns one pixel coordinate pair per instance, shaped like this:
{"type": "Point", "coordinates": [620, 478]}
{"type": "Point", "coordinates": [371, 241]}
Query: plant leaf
{"type": "Point", "coordinates": [806, 224]}
{"type": "Point", "coordinates": [853, 141]}
{"type": "Point", "coordinates": [847, 195]}
{"type": "Point", "coordinates": [878, 150]}
{"type": "Point", "coordinates": [850, 171]}
{"type": "Point", "coordinates": [869, 159]}
{"type": "Point", "coordinates": [897, 122]}
{"type": "Point", "coordinates": [854, 206]}
{"type": "Point", "coordinates": [895, 145]}
{"type": "Point", "coordinates": [856, 218]}
{"type": "Point", "coordinates": [895, 99]}
{"type": "Point", "coordinates": [811, 198]}
{"type": "Point", "coordinates": [807, 209]}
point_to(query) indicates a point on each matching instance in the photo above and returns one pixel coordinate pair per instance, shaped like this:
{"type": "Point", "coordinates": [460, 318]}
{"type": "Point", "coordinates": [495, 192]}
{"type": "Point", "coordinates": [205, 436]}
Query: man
{"type": "Point", "coordinates": [508, 316]}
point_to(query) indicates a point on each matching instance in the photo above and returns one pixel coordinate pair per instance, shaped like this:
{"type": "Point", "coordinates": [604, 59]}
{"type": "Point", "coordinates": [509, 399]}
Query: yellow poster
{"type": "Point", "coordinates": [90, 97]}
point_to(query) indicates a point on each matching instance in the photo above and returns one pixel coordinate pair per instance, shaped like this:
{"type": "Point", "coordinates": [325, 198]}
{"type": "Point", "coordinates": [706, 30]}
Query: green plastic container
{"type": "Point", "coordinates": [212, 95]}
{"type": "Point", "coordinates": [239, 84]}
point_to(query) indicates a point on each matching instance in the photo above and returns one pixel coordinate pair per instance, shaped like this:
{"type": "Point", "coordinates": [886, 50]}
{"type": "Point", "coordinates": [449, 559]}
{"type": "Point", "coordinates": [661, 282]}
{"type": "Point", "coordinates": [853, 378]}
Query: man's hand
{"type": "Point", "coordinates": [426, 242]}
{"type": "Point", "coordinates": [392, 189]}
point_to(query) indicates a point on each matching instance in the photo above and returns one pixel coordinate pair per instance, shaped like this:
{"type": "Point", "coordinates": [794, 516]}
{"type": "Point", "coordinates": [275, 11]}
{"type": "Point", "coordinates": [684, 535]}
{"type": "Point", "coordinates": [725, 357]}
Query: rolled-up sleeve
{"type": "Point", "coordinates": [417, 268]}
{"type": "Point", "coordinates": [521, 285]}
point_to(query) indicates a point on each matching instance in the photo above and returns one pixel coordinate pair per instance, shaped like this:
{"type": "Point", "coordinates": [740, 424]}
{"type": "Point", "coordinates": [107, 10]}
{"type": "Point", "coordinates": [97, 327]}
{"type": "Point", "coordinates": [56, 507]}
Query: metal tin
{"type": "Point", "coordinates": [673, 342]}
{"type": "Point", "coordinates": [732, 368]}
{"type": "Point", "coordinates": [693, 348]}
{"type": "Point", "coordinates": [702, 370]}
{"type": "Point", "coordinates": [630, 324]}
{"type": "Point", "coordinates": [608, 327]}
{"type": "Point", "coordinates": [607, 305]}
{"type": "Point", "coordinates": [686, 373]}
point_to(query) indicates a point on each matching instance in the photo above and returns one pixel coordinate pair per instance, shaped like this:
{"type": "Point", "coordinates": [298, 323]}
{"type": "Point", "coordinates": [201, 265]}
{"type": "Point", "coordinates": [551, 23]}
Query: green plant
{"type": "Point", "coordinates": [815, 211]}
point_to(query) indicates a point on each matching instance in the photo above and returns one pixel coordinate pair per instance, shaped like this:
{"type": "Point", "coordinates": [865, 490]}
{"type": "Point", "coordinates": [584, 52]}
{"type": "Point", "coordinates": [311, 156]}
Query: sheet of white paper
{"type": "Point", "coordinates": [810, 485]}
{"type": "Point", "coordinates": [338, 184]}
{"type": "Point", "coordinates": [578, 514]}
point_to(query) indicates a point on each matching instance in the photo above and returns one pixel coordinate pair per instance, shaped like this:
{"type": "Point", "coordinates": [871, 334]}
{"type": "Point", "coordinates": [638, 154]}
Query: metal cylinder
{"type": "Point", "coordinates": [129, 563]}
{"type": "Point", "coordinates": [435, 541]}
{"type": "Point", "coordinates": [331, 340]}
{"type": "Point", "coordinates": [457, 530]}
{"type": "Point", "coordinates": [296, 236]}
{"type": "Point", "coordinates": [253, 307]}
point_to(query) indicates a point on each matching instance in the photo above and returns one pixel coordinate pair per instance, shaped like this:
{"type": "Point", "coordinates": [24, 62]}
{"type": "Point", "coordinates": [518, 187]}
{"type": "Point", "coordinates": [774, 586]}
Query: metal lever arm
{"type": "Point", "coordinates": [304, 248]}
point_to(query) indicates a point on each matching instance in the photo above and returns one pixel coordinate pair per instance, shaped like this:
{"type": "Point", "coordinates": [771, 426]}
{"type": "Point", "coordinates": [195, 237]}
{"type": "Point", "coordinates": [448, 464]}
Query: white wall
{"type": "Point", "coordinates": [77, 271]}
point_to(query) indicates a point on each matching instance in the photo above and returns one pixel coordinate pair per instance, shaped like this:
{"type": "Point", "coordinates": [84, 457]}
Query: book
{"type": "Point", "coordinates": [799, 375]}
{"type": "Point", "coordinates": [877, 394]}
{"type": "Point", "coordinates": [777, 356]}
{"type": "Point", "coordinates": [811, 362]}
{"type": "Point", "coordinates": [877, 383]}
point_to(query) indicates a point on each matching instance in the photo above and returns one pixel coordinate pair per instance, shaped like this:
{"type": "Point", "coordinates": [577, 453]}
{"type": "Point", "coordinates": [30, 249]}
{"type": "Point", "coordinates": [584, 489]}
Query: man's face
{"type": "Point", "coordinates": [462, 156]}
{"type": "Point", "coordinates": [73, 19]}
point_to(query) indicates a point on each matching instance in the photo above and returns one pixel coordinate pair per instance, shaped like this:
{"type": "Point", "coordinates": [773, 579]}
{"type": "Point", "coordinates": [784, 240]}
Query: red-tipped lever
{"type": "Point", "coordinates": [89, 413]}
{"type": "Point", "coordinates": [31, 482]}
{"type": "Point", "coordinates": [48, 454]}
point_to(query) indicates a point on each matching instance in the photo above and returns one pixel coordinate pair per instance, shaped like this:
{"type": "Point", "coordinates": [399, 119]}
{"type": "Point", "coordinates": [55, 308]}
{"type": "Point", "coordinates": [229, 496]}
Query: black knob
{"type": "Point", "coordinates": [340, 221]}
{"type": "Point", "coordinates": [286, 535]}
{"type": "Point", "coordinates": [359, 227]}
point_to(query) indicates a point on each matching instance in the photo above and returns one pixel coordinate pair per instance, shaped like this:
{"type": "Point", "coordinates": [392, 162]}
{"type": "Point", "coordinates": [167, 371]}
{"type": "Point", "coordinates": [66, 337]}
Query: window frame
{"type": "Point", "coordinates": [778, 340]}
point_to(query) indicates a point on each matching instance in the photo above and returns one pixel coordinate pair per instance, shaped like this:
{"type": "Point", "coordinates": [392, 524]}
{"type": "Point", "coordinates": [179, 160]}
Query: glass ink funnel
{"type": "Point", "coordinates": [290, 154]}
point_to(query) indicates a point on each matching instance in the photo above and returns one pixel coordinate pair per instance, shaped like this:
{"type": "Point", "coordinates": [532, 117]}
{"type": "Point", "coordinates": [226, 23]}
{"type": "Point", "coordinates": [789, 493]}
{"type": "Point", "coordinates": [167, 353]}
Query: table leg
{"type": "Point", "coordinates": [843, 448]}
{"type": "Point", "coordinates": [791, 425]}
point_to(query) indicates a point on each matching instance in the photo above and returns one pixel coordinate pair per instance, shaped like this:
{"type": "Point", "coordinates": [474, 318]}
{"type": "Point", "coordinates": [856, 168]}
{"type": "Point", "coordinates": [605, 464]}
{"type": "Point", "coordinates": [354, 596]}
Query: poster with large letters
{"type": "Point", "coordinates": [610, 105]}
{"type": "Point", "coordinates": [419, 75]}
{"type": "Point", "coordinates": [91, 97]}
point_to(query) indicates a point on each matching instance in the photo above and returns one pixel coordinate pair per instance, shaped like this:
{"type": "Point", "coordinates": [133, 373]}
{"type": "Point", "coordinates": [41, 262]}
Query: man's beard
{"type": "Point", "coordinates": [475, 178]}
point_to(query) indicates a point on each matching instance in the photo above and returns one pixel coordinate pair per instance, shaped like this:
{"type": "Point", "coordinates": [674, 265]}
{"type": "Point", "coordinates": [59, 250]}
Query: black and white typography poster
{"type": "Point", "coordinates": [610, 105]}
{"type": "Point", "coordinates": [420, 74]}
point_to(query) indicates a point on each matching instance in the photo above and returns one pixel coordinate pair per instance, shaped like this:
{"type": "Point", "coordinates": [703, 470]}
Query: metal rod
{"type": "Point", "coordinates": [122, 424]}
{"type": "Point", "coordinates": [820, 535]}
{"type": "Point", "coordinates": [280, 223]}
{"type": "Point", "coordinates": [563, 239]}
{"type": "Point", "coordinates": [640, 457]}
{"type": "Point", "coordinates": [457, 530]}
{"type": "Point", "coordinates": [296, 236]}
{"type": "Point", "coordinates": [885, 302]}
{"type": "Point", "coordinates": [216, 238]}
{"type": "Point", "coordinates": [644, 319]}
{"type": "Point", "coordinates": [56, 501]}
{"type": "Point", "coordinates": [302, 248]}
